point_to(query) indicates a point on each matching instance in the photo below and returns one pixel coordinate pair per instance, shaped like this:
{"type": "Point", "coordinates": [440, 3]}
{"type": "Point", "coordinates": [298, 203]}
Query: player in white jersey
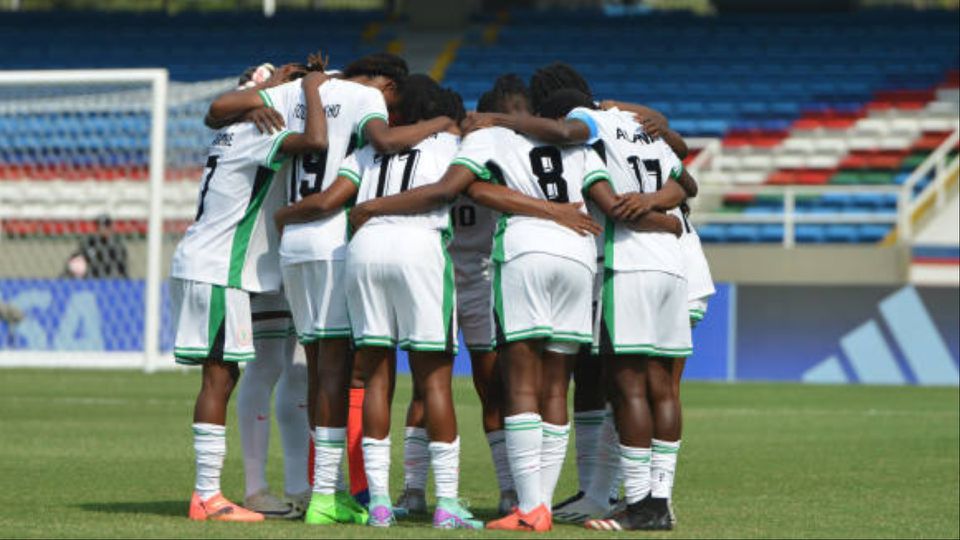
{"type": "Point", "coordinates": [653, 321]}
{"type": "Point", "coordinates": [474, 225]}
{"type": "Point", "coordinates": [227, 253]}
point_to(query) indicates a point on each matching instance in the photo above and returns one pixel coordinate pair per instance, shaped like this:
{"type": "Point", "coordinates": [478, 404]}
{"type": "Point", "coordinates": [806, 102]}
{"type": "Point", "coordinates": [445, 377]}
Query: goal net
{"type": "Point", "coordinates": [98, 180]}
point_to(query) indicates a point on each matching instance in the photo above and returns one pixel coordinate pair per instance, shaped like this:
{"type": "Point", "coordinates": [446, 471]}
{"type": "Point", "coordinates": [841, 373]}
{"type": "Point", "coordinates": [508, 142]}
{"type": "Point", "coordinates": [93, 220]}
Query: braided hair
{"type": "Point", "coordinates": [386, 65]}
{"type": "Point", "coordinates": [553, 77]}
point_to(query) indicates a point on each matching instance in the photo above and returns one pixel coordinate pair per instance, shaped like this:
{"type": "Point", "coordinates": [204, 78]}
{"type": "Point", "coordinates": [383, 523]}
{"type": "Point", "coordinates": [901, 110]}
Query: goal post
{"type": "Point", "coordinates": [86, 170]}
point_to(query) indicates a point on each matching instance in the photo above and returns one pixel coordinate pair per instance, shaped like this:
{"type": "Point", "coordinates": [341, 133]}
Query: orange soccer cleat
{"type": "Point", "coordinates": [218, 508]}
{"type": "Point", "coordinates": [537, 520]}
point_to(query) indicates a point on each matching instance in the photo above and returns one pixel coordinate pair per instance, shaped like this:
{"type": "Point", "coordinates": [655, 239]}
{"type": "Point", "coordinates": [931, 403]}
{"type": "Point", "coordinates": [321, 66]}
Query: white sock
{"type": "Point", "coordinates": [253, 411]}
{"type": "Point", "coordinates": [498, 449]}
{"type": "Point", "coordinates": [635, 463]}
{"type": "Point", "coordinates": [329, 443]}
{"type": "Point", "coordinates": [552, 452]}
{"type": "Point", "coordinates": [524, 436]}
{"type": "Point", "coordinates": [587, 426]}
{"type": "Point", "coordinates": [416, 458]}
{"type": "Point", "coordinates": [605, 476]}
{"type": "Point", "coordinates": [445, 460]}
{"type": "Point", "coordinates": [291, 411]}
{"type": "Point", "coordinates": [663, 467]}
{"type": "Point", "coordinates": [376, 461]}
{"type": "Point", "coordinates": [210, 446]}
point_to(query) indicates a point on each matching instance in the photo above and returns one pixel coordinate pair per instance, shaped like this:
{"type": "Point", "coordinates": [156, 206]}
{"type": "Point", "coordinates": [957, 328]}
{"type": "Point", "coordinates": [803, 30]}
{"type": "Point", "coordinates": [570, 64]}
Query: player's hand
{"type": "Point", "coordinates": [359, 215]}
{"type": "Point", "coordinates": [654, 124]}
{"type": "Point", "coordinates": [318, 61]}
{"type": "Point", "coordinates": [313, 80]}
{"type": "Point", "coordinates": [631, 206]}
{"type": "Point", "coordinates": [572, 216]}
{"type": "Point", "coordinates": [267, 119]}
{"type": "Point", "coordinates": [676, 226]}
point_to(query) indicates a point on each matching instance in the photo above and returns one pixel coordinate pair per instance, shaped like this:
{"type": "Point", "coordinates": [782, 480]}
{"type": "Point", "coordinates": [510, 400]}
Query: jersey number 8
{"type": "Point", "coordinates": [547, 165]}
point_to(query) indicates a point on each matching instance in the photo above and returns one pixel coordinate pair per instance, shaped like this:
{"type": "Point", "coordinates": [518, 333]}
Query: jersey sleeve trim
{"type": "Point", "coordinates": [593, 177]}
{"type": "Point", "coordinates": [349, 175]}
{"type": "Point", "coordinates": [266, 98]}
{"type": "Point", "coordinates": [677, 171]}
{"type": "Point", "coordinates": [273, 157]}
{"type": "Point", "coordinates": [361, 140]}
{"type": "Point", "coordinates": [584, 117]}
{"type": "Point", "coordinates": [477, 169]}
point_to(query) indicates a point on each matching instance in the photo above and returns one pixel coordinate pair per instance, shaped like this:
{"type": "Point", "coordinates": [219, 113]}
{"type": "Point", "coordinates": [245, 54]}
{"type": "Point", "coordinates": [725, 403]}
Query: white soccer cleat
{"type": "Point", "coordinates": [268, 504]}
{"type": "Point", "coordinates": [580, 510]}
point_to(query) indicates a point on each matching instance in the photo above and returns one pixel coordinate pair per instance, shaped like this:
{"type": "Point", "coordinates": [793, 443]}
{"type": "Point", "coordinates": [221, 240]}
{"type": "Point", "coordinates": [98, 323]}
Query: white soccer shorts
{"type": "Point", "coordinates": [543, 296]}
{"type": "Point", "coordinates": [474, 301]}
{"type": "Point", "coordinates": [401, 297]}
{"type": "Point", "coordinates": [315, 292]}
{"type": "Point", "coordinates": [271, 316]}
{"type": "Point", "coordinates": [212, 323]}
{"type": "Point", "coordinates": [645, 312]}
{"type": "Point", "coordinates": [697, 309]}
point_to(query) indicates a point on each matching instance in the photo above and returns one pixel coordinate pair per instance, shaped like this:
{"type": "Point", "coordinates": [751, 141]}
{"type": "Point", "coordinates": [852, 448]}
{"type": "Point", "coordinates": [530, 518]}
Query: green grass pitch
{"type": "Point", "coordinates": [109, 454]}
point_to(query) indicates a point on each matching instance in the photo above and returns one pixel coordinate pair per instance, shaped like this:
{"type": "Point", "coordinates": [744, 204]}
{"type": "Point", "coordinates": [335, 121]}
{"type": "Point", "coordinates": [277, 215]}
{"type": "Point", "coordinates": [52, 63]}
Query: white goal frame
{"type": "Point", "coordinates": [148, 359]}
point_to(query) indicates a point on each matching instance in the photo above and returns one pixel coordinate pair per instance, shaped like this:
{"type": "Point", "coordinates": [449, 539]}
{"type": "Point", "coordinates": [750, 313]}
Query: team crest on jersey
{"type": "Point", "coordinates": [244, 337]}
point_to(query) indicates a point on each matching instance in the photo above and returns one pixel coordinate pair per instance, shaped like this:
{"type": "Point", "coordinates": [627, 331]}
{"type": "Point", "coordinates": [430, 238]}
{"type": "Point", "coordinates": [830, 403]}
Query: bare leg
{"type": "Point", "coordinates": [664, 402]}
{"type": "Point", "coordinates": [555, 385]}
{"type": "Point", "coordinates": [333, 373]}
{"type": "Point", "coordinates": [489, 386]}
{"type": "Point", "coordinates": [219, 380]}
{"type": "Point", "coordinates": [433, 372]}
{"type": "Point", "coordinates": [521, 366]}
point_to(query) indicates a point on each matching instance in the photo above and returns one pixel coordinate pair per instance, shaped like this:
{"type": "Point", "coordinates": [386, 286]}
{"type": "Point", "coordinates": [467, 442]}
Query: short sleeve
{"type": "Point", "coordinates": [594, 169]}
{"type": "Point", "coordinates": [350, 169]}
{"type": "Point", "coordinates": [284, 97]}
{"type": "Point", "coordinates": [476, 149]}
{"type": "Point", "coordinates": [669, 161]}
{"type": "Point", "coordinates": [370, 105]}
{"type": "Point", "coordinates": [274, 142]}
{"type": "Point", "coordinates": [584, 115]}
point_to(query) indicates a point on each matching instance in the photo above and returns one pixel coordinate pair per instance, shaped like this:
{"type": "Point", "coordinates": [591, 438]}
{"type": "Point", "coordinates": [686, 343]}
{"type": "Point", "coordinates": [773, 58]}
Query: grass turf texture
{"type": "Point", "coordinates": [109, 454]}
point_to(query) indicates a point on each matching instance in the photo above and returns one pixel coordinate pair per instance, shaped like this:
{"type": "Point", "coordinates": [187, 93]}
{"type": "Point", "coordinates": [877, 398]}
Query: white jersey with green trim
{"type": "Point", "coordinates": [233, 242]}
{"type": "Point", "coordinates": [637, 163]}
{"type": "Point", "coordinates": [378, 175]}
{"type": "Point", "coordinates": [348, 107]}
{"type": "Point", "coordinates": [541, 171]}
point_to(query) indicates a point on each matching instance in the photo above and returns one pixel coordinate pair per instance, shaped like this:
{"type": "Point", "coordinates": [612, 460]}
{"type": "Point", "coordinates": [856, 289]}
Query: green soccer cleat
{"type": "Point", "coordinates": [337, 508]}
{"type": "Point", "coordinates": [452, 514]}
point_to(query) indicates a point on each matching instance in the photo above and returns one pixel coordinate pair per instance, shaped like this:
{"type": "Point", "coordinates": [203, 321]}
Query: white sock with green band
{"type": "Point", "coordinates": [587, 426]}
{"type": "Point", "coordinates": [635, 465]}
{"type": "Point", "coordinates": [501, 464]}
{"type": "Point", "coordinates": [524, 445]}
{"type": "Point", "coordinates": [416, 458]}
{"type": "Point", "coordinates": [328, 444]}
{"type": "Point", "coordinates": [553, 451]}
{"type": "Point", "coordinates": [376, 462]}
{"type": "Point", "coordinates": [663, 467]}
{"type": "Point", "coordinates": [210, 447]}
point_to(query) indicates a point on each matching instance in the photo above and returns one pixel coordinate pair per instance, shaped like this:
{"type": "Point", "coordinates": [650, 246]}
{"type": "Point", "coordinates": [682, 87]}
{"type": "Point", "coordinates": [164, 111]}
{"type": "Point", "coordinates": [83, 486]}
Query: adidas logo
{"type": "Point", "coordinates": [871, 358]}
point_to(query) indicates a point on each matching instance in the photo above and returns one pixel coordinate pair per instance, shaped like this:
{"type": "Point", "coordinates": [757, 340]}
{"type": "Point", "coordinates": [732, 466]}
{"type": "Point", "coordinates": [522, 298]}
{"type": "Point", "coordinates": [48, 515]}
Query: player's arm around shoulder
{"type": "Point", "coordinates": [314, 136]}
{"type": "Point", "coordinates": [598, 189]}
{"type": "Point", "coordinates": [563, 131]}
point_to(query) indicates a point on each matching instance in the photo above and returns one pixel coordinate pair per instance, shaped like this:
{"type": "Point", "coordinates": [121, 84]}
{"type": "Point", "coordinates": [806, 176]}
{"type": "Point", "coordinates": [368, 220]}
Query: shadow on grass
{"type": "Point", "coordinates": [157, 508]}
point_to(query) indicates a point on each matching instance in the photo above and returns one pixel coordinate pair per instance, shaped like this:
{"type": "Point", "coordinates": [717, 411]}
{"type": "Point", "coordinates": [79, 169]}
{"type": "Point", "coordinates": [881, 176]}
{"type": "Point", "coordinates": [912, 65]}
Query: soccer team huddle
{"type": "Point", "coordinates": [364, 210]}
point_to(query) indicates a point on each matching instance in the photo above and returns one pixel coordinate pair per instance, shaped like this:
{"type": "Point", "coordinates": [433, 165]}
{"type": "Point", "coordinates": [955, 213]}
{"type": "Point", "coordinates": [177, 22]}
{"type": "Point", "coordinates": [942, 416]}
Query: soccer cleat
{"type": "Point", "coordinates": [536, 520]}
{"type": "Point", "coordinates": [571, 499]}
{"type": "Point", "coordinates": [299, 502]}
{"type": "Point", "coordinates": [453, 514]}
{"type": "Point", "coordinates": [648, 514]}
{"type": "Point", "coordinates": [579, 510]}
{"type": "Point", "coordinates": [218, 508]}
{"type": "Point", "coordinates": [326, 509]}
{"type": "Point", "coordinates": [381, 512]}
{"type": "Point", "coordinates": [508, 501]}
{"type": "Point", "coordinates": [270, 506]}
{"type": "Point", "coordinates": [411, 501]}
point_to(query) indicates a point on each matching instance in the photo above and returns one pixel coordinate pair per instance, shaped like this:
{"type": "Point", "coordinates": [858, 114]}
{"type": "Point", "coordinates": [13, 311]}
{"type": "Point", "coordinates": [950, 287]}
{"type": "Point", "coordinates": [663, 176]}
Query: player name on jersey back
{"type": "Point", "coordinates": [233, 242]}
{"type": "Point", "coordinates": [348, 107]}
{"type": "Point", "coordinates": [540, 171]}
{"type": "Point", "coordinates": [638, 163]}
